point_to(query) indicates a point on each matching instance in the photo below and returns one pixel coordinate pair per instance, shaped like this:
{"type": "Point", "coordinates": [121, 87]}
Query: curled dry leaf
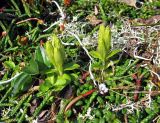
{"type": "Point", "coordinates": [67, 2]}
{"type": "Point", "coordinates": [4, 33]}
{"type": "Point", "coordinates": [34, 105]}
{"type": "Point", "coordinates": [134, 3]}
{"type": "Point", "coordinates": [150, 21]}
{"type": "Point", "coordinates": [62, 27]}
{"type": "Point", "coordinates": [153, 20]}
{"type": "Point", "coordinates": [22, 65]}
{"type": "Point", "coordinates": [95, 10]}
{"type": "Point", "coordinates": [84, 76]}
{"type": "Point", "coordinates": [93, 20]}
{"type": "Point", "coordinates": [138, 82]}
{"type": "Point", "coordinates": [155, 78]}
{"type": "Point", "coordinates": [129, 2]}
{"type": "Point", "coordinates": [23, 40]}
{"type": "Point", "coordinates": [44, 116]}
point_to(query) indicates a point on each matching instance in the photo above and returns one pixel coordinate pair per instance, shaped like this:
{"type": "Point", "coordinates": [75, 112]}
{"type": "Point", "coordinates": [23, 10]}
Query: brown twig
{"type": "Point", "coordinates": [84, 76]}
{"type": "Point", "coordinates": [30, 19]}
{"type": "Point", "coordinates": [78, 98]}
{"type": "Point", "coordinates": [125, 118]}
{"type": "Point", "coordinates": [138, 85]}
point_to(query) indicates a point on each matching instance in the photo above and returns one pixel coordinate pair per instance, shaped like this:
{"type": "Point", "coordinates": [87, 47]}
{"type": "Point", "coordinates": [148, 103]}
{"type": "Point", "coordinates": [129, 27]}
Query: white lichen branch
{"type": "Point", "coordinates": [61, 19]}
{"type": "Point", "coordinates": [81, 44]}
{"type": "Point", "coordinates": [149, 95]}
{"type": "Point", "coordinates": [139, 57]}
{"type": "Point", "coordinates": [91, 75]}
{"type": "Point", "coordinates": [8, 81]}
{"type": "Point", "coordinates": [61, 12]}
{"type": "Point", "coordinates": [56, 23]}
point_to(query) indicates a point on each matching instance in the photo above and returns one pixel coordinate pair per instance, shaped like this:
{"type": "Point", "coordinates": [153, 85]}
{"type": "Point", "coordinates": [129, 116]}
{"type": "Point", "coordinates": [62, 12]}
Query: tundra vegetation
{"type": "Point", "coordinates": [83, 61]}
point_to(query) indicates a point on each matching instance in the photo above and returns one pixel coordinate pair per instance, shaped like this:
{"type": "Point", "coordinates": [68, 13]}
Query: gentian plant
{"type": "Point", "coordinates": [57, 77]}
{"type": "Point", "coordinates": [104, 53]}
{"type": "Point", "coordinates": [49, 62]}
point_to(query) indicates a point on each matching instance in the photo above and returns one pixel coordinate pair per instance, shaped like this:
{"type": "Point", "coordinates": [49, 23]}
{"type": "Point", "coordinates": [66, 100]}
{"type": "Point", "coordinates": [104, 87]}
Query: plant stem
{"type": "Point", "coordinates": [6, 95]}
{"type": "Point", "coordinates": [6, 104]}
{"type": "Point", "coordinates": [37, 111]}
{"type": "Point", "coordinates": [94, 95]}
{"type": "Point", "coordinates": [134, 63]}
{"type": "Point", "coordinates": [25, 109]}
{"type": "Point", "coordinates": [19, 105]}
{"type": "Point", "coordinates": [43, 36]}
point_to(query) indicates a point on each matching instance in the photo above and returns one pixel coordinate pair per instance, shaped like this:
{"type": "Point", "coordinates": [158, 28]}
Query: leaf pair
{"type": "Point", "coordinates": [55, 82]}
{"type": "Point", "coordinates": [41, 64]}
{"type": "Point", "coordinates": [104, 42]}
{"type": "Point", "coordinates": [36, 66]}
{"type": "Point", "coordinates": [103, 51]}
{"type": "Point", "coordinates": [21, 83]}
{"type": "Point", "coordinates": [58, 82]}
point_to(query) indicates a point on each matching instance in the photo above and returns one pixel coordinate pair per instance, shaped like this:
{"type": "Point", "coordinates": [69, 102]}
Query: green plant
{"type": "Point", "coordinates": [104, 53]}
{"type": "Point", "coordinates": [58, 76]}
{"type": "Point", "coordinates": [48, 62]}
{"type": "Point", "coordinates": [46, 75]}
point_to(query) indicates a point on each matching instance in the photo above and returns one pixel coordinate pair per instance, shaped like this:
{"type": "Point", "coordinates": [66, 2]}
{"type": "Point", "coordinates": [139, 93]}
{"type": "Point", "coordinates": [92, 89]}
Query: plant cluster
{"type": "Point", "coordinates": [64, 66]}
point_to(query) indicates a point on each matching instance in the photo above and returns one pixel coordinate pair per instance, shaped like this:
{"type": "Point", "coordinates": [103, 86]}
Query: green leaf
{"type": "Point", "coordinates": [57, 83]}
{"type": "Point", "coordinates": [101, 33]}
{"type": "Point", "coordinates": [22, 83]}
{"type": "Point", "coordinates": [50, 52]}
{"type": "Point", "coordinates": [104, 42]}
{"type": "Point", "coordinates": [116, 120]}
{"type": "Point", "coordinates": [70, 66]}
{"type": "Point", "coordinates": [59, 54]}
{"type": "Point", "coordinates": [51, 79]}
{"type": "Point", "coordinates": [97, 65]}
{"type": "Point", "coordinates": [110, 63]}
{"type": "Point", "coordinates": [61, 82]}
{"type": "Point", "coordinates": [32, 68]}
{"type": "Point", "coordinates": [49, 82]}
{"type": "Point", "coordinates": [17, 10]}
{"type": "Point", "coordinates": [112, 53]}
{"type": "Point", "coordinates": [102, 51]}
{"type": "Point", "coordinates": [101, 44]}
{"type": "Point", "coordinates": [9, 64]}
{"type": "Point", "coordinates": [45, 86]}
{"type": "Point", "coordinates": [107, 39]}
{"type": "Point", "coordinates": [59, 60]}
{"type": "Point", "coordinates": [26, 8]}
{"type": "Point", "coordinates": [42, 59]}
{"type": "Point", "coordinates": [74, 76]}
{"type": "Point", "coordinates": [95, 54]}
{"type": "Point", "coordinates": [66, 77]}
{"type": "Point", "coordinates": [55, 53]}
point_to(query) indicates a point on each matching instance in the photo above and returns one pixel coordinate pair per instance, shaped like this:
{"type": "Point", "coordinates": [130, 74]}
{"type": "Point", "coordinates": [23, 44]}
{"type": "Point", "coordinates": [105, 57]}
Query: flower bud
{"type": "Point", "coordinates": [50, 52]}
{"type": "Point", "coordinates": [104, 41]}
{"type": "Point", "coordinates": [59, 59]}
{"type": "Point", "coordinates": [56, 54]}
